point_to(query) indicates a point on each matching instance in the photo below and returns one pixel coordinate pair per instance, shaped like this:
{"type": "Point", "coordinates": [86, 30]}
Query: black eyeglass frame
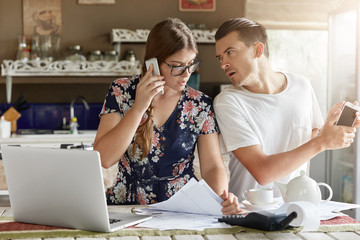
{"type": "Point", "coordinates": [184, 68]}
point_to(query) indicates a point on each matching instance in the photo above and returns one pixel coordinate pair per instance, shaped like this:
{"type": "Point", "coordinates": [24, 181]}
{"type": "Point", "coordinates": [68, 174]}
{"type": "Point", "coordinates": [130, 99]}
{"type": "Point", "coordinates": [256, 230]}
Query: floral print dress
{"type": "Point", "coordinates": [169, 165]}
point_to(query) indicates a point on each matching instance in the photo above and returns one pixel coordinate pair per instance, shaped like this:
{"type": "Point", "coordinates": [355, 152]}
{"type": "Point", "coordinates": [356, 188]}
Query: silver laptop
{"type": "Point", "coordinates": [60, 187]}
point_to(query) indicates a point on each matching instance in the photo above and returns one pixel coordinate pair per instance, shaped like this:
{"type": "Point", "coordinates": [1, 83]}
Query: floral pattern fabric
{"type": "Point", "coordinates": [169, 165]}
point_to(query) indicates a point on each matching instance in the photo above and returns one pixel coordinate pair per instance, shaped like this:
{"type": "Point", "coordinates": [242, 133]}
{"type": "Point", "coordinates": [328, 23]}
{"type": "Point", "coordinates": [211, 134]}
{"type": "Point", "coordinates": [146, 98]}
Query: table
{"type": "Point", "coordinates": [181, 235]}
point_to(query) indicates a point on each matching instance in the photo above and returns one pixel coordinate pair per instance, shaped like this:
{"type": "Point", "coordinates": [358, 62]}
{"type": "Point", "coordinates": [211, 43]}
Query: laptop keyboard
{"type": "Point", "coordinates": [114, 220]}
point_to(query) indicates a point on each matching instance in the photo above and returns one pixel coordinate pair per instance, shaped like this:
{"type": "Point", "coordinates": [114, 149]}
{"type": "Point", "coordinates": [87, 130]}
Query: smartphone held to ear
{"type": "Point", "coordinates": [154, 62]}
{"type": "Point", "coordinates": [348, 115]}
{"type": "Point", "coordinates": [156, 70]}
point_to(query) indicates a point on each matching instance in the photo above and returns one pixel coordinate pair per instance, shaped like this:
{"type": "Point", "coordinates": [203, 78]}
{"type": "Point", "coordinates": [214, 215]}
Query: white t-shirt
{"type": "Point", "coordinates": [278, 122]}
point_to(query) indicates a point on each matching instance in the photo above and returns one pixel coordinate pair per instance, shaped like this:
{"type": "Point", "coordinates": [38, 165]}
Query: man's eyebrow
{"type": "Point", "coordinates": [218, 56]}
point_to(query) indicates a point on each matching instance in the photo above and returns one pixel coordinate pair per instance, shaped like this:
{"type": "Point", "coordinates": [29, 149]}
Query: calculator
{"type": "Point", "coordinates": [260, 220]}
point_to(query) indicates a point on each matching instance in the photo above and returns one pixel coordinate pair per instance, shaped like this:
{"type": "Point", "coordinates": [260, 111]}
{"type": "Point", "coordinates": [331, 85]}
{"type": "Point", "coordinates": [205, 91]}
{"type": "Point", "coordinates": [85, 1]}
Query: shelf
{"type": "Point", "coordinates": [10, 69]}
{"type": "Point", "coordinates": [69, 68]}
{"type": "Point", "coordinates": [120, 35]}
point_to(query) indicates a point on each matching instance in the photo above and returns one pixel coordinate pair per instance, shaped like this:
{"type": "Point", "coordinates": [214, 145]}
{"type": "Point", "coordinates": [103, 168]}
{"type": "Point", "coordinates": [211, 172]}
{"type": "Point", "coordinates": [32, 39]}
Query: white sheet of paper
{"type": "Point", "coordinates": [194, 207]}
{"type": "Point", "coordinates": [327, 209]}
{"type": "Point", "coordinates": [200, 196]}
{"type": "Point", "coordinates": [336, 206]}
{"type": "Point", "coordinates": [331, 209]}
{"type": "Point", "coordinates": [171, 220]}
{"type": "Point", "coordinates": [194, 197]}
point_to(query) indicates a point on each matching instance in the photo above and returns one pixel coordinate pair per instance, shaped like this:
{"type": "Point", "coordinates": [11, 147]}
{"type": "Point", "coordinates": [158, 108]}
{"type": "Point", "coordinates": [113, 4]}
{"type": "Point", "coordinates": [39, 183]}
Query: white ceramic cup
{"type": "Point", "coordinates": [259, 196]}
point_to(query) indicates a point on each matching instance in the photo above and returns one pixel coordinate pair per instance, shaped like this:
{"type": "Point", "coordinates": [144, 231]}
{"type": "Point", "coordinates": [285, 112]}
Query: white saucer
{"type": "Point", "coordinates": [262, 207]}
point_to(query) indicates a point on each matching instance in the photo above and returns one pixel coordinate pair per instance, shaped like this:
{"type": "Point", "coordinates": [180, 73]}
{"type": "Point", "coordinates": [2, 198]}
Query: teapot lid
{"type": "Point", "coordinates": [302, 177]}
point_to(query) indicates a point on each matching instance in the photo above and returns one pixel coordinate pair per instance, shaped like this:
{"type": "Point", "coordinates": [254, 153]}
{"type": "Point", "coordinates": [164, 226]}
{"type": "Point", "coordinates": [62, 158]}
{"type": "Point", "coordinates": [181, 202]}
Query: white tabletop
{"type": "Point", "coordinates": [6, 211]}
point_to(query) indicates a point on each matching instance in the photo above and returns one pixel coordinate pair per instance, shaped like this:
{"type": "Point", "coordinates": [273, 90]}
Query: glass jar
{"type": "Point", "coordinates": [130, 55]}
{"type": "Point", "coordinates": [35, 48]}
{"type": "Point", "coordinates": [95, 55]}
{"type": "Point", "coordinates": [75, 53]}
{"type": "Point", "coordinates": [201, 26]}
{"type": "Point", "coordinates": [47, 48]}
{"type": "Point", "coordinates": [191, 26]}
{"type": "Point", "coordinates": [111, 55]}
{"type": "Point", "coordinates": [23, 53]}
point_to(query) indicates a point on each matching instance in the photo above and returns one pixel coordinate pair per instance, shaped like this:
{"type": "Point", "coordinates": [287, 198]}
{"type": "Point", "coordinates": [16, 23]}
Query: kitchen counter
{"type": "Point", "coordinates": [51, 140]}
{"type": "Point", "coordinates": [85, 137]}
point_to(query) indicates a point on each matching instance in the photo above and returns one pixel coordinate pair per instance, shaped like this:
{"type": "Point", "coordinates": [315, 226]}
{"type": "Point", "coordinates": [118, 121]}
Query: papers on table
{"type": "Point", "coordinates": [328, 209]}
{"type": "Point", "coordinates": [194, 207]}
{"type": "Point", "coordinates": [331, 209]}
{"type": "Point", "coordinates": [185, 221]}
{"type": "Point", "coordinates": [194, 197]}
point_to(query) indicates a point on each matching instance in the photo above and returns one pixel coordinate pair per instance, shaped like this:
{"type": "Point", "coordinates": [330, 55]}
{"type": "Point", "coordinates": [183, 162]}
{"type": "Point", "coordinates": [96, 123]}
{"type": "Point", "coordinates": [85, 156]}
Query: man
{"type": "Point", "coordinates": [269, 121]}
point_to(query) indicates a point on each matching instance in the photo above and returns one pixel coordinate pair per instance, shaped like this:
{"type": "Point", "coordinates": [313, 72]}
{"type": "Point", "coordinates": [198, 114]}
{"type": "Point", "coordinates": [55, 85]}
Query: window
{"type": "Point", "coordinates": [302, 52]}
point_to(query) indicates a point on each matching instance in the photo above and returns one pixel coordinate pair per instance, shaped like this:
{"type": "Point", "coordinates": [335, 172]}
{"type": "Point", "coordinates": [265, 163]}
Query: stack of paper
{"type": "Point", "coordinates": [194, 197]}
{"type": "Point", "coordinates": [194, 207]}
{"type": "Point", "coordinates": [331, 209]}
{"type": "Point", "coordinates": [184, 221]}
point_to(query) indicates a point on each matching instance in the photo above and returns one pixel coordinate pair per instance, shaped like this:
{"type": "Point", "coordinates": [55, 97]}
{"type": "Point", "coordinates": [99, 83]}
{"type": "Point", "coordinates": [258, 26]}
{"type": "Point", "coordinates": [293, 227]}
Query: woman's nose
{"type": "Point", "coordinates": [186, 73]}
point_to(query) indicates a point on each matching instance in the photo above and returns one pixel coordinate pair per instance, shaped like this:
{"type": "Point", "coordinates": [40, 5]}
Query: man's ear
{"type": "Point", "coordinates": [259, 49]}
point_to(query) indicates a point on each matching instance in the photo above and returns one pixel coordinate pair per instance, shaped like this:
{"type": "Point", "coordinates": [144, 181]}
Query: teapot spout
{"type": "Point", "coordinates": [282, 188]}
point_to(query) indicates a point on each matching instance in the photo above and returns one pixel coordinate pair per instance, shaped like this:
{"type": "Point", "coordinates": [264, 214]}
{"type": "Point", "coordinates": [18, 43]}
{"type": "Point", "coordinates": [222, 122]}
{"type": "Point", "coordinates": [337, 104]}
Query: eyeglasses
{"type": "Point", "coordinates": [178, 70]}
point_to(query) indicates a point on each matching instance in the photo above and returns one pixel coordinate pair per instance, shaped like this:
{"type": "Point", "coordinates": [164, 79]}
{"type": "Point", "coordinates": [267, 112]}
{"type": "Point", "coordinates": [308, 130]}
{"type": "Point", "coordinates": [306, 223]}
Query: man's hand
{"type": "Point", "coordinates": [333, 136]}
{"type": "Point", "coordinates": [357, 121]}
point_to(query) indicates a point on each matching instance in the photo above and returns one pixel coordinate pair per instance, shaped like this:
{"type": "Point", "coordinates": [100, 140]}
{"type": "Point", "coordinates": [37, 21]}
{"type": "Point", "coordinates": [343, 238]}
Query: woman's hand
{"type": "Point", "coordinates": [147, 89]}
{"type": "Point", "coordinates": [230, 204]}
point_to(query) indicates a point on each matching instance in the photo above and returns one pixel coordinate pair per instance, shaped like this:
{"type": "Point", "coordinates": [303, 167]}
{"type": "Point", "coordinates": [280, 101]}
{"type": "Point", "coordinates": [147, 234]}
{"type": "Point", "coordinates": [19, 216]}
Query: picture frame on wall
{"type": "Point", "coordinates": [96, 1]}
{"type": "Point", "coordinates": [197, 5]}
{"type": "Point", "coordinates": [42, 17]}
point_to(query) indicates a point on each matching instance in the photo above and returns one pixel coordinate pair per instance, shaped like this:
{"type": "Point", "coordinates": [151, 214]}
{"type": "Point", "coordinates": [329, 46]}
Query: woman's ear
{"type": "Point", "coordinates": [259, 49]}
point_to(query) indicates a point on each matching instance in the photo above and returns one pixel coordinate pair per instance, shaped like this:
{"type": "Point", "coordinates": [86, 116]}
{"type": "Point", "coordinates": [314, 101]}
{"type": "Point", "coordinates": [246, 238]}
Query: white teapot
{"type": "Point", "coordinates": [303, 188]}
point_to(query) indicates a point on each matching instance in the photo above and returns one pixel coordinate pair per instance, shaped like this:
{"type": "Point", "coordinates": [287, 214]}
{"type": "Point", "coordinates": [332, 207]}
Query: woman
{"type": "Point", "coordinates": [152, 135]}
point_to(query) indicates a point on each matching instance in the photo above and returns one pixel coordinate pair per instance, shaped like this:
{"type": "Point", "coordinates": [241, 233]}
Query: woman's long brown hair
{"type": "Point", "coordinates": [165, 39]}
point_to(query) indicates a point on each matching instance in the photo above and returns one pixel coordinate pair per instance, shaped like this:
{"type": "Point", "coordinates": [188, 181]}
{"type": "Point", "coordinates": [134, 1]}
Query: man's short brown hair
{"type": "Point", "coordinates": [249, 32]}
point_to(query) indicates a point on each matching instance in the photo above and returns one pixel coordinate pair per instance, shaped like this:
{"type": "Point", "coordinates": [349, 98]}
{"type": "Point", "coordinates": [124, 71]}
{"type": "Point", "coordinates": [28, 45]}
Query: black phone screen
{"type": "Point", "coordinates": [347, 117]}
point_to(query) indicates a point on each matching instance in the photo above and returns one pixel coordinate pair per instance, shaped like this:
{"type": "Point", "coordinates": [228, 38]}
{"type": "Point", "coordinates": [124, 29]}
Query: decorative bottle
{"type": "Point", "coordinates": [74, 126]}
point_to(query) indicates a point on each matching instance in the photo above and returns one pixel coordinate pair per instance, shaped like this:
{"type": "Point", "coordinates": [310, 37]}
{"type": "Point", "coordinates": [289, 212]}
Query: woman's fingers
{"type": "Point", "coordinates": [148, 73]}
{"type": "Point", "coordinates": [230, 204]}
{"type": "Point", "coordinates": [148, 79]}
{"type": "Point", "coordinates": [155, 84]}
{"type": "Point", "coordinates": [150, 83]}
{"type": "Point", "coordinates": [147, 88]}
